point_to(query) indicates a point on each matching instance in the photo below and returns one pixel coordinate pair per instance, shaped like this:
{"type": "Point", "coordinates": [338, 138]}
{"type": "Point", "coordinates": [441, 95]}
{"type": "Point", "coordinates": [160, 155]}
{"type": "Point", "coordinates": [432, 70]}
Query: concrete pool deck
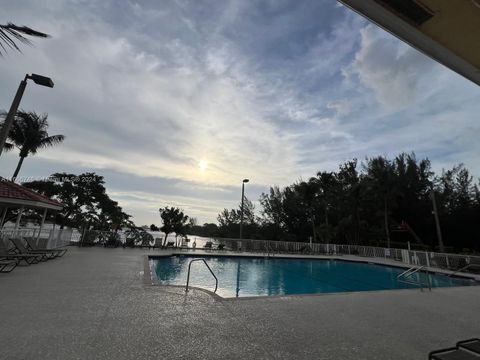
{"type": "Point", "coordinates": [94, 304]}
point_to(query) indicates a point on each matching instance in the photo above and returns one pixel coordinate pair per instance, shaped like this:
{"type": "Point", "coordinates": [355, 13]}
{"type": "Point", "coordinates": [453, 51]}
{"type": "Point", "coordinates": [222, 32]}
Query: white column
{"type": "Point", "coordinates": [17, 223]}
{"type": "Point", "coordinates": [3, 216]}
{"type": "Point", "coordinates": [41, 224]}
{"type": "Point", "coordinates": [52, 233]}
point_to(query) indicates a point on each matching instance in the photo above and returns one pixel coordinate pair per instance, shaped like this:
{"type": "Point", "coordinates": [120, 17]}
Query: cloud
{"type": "Point", "coordinates": [391, 69]}
{"type": "Point", "coordinates": [272, 91]}
{"type": "Point", "coordinates": [130, 111]}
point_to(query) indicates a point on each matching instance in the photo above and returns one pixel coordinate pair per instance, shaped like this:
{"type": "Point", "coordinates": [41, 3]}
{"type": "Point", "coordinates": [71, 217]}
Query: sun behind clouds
{"type": "Point", "coordinates": [202, 165]}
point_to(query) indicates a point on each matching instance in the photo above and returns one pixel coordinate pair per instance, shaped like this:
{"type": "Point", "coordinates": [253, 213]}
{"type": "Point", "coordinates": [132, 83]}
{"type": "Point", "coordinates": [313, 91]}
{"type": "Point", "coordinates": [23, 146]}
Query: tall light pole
{"type": "Point", "coordinates": [37, 79]}
{"type": "Point", "coordinates": [437, 221]}
{"type": "Point", "coordinates": [244, 181]}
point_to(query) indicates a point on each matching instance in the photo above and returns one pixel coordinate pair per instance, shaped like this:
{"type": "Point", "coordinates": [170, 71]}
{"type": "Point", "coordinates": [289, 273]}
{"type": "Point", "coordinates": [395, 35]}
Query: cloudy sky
{"type": "Point", "coordinates": [175, 102]}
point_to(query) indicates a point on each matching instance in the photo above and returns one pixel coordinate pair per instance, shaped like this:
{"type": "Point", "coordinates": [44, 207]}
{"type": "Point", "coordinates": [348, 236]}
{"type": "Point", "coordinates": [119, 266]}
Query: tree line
{"type": "Point", "coordinates": [379, 202]}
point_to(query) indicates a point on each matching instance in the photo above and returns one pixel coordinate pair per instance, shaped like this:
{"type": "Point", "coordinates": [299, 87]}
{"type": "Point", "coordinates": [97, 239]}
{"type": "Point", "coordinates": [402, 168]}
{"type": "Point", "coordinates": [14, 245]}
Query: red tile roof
{"type": "Point", "coordinates": [10, 190]}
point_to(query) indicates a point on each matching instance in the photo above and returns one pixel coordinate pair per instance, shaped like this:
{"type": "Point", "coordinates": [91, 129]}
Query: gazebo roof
{"type": "Point", "coordinates": [15, 195]}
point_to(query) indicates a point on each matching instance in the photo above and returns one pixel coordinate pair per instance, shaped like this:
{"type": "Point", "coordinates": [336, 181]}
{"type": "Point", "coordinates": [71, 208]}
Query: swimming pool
{"type": "Point", "coordinates": [247, 276]}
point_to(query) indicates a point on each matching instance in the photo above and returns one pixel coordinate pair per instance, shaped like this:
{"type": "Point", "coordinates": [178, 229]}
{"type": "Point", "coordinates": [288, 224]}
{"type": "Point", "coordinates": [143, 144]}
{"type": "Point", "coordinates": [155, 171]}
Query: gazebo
{"type": "Point", "coordinates": [15, 196]}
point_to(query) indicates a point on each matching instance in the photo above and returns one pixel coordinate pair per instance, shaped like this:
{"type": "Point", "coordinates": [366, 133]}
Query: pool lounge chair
{"type": "Point", "coordinates": [472, 345]}
{"type": "Point", "coordinates": [158, 243]}
{"type": "Point", "coordinates": [452, 353]}
{"type": "Point", "coordinates": [7, 265]}
{"type": "Point", "coordinates": [5, 254]}
{"type": "Point", "coordinates": [145, 244]}
{"type": "Point", "coordinates": [43, 244]}
{"type": "Point", "coordinates": [21, 249]}
{"type": "Point", "coordinates": [465, 350]}
{"type": "Point", "coordinates": [32, 246]}
{"type": "Point", "coordinates": [208, 245]}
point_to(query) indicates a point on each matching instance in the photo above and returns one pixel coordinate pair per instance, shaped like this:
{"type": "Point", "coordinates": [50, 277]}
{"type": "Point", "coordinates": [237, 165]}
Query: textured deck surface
{"type": "Point", "coordinates": [94, 304]}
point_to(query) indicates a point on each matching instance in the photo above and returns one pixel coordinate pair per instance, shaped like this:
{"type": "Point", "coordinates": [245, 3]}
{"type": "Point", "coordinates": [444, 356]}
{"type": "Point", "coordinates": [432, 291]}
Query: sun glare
{"type": "Point", "coordinates": [202, 165]}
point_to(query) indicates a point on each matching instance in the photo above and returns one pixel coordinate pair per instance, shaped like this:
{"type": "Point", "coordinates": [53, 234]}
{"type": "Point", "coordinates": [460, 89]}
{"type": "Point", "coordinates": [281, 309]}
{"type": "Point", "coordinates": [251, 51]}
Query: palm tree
{"type": "Point", "coordinates": [11, 32]}
{"type": "Point", "coordinates": [29, 134]}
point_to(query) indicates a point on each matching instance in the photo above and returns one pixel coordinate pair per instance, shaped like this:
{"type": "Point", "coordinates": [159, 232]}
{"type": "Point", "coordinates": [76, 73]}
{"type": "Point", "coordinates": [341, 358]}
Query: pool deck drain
{"type": "Point", "coordinates": [93, 304]}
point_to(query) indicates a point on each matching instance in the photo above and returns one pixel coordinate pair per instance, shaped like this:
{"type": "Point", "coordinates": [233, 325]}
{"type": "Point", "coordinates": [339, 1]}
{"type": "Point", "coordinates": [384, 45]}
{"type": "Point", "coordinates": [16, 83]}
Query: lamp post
{"type": "Point", "coordinates": [244, 181]}
{"type": "Point", "coordinates": [437, 221]}
{"type": "Point", "coordinates": [37, 79]}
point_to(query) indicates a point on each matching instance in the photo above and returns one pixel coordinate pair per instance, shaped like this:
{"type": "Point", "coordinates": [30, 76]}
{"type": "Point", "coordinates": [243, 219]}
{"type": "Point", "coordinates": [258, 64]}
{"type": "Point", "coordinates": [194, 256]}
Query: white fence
{"type": "Point", "coordinates": [421, 258]}
{"type": "Point", "coordinates": [56, 237]}
{"type": "Point", "coordinates": [61, 237]}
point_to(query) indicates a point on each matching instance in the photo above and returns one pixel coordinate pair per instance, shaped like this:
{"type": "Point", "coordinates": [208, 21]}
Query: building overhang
{"type": "Point", "coordinates": [445, 30]}
{"type": "Point", "coordinates": [14, 195]}
{"type": "Point", "coordinates": [17, 203]}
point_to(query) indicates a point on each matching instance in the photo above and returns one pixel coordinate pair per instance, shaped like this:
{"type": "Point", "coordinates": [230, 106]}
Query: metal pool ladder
{"type": "Point", "coordinates": [269, 250]}
{"type": "Point", "coordinates": [208, 267]}
{"type": "Point", "coordinates": [403, 277]}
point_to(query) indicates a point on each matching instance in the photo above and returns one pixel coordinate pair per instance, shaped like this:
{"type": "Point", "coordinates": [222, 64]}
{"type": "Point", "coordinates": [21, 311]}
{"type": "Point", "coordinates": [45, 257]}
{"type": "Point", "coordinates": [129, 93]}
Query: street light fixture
{"type": "Point", "coordinates": [37, 79]}
{"type": "Point", "coordinates": [244, 181]}
{"type": "Point", "coordinates": [41, 80]}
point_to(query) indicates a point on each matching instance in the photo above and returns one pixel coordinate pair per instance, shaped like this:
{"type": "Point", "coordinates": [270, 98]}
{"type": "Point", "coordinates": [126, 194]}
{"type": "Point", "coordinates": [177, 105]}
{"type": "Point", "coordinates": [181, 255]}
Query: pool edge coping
{"type": "Point", "coordinates": [148, 275]}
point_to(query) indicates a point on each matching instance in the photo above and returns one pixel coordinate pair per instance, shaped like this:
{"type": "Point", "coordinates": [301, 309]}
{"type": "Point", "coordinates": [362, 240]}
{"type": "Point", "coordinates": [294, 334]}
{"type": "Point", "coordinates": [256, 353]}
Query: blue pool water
{"type": "Point", "coordinates": [241, 276]}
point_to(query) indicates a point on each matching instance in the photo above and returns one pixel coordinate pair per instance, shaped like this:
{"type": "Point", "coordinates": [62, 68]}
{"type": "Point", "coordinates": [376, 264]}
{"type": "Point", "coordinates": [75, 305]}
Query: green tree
{"type": "Point", "coordinates": [348, 202]}
{"type": "Point", "coordinates": [229, 220]}
{"type": "Point", "coordinates": [458, 208]}
{"type": "Point", "coordinates": [413, 181]}
{"type": "Point", "coordinates": [379, 179]}
{"type": "Point", "coordinates": [382, 199]}
{"type": "Point", "coordinates": [272, 214]}
{"type": "Point", "coordinates": [29, 134]}
{"type": "Point", "coordinates": [174, 220]}
{"type": "Point", "coordinates": [85, 201]}
{"type": "Point", "coordinates": [110, 215]}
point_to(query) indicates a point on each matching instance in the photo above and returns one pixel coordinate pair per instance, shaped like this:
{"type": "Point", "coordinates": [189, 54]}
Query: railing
{"type": "Point", "coordinates": [410, 257]}
{"type": "Point", "coordinates": [405, 277]}
{"type": "Point", "coordinates": [453, 262]}
{"type": "Point", "coordinates": [269, 251]}
{"type": "Point", "coordinates": [188, 275]}
{"type": "Point", "coordinates": [475, 265]}
{"type": "Point", "coordinates": [99, 237]}
{"type": "Point", "coordinates": [56, 237]}
{"type": "Point", "coordinates": [116, 238]}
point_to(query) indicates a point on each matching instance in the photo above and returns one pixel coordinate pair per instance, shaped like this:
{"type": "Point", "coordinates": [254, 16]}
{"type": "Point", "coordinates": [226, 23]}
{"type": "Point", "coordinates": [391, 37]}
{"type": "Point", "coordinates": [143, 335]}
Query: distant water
{"type": "Point", "coordinates": [200, 241]}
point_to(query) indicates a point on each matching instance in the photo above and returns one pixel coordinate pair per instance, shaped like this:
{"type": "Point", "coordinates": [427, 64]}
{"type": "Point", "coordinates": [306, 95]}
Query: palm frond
{"type": "Point", "coordinates": [10, 33]}
{"type": "Point", "coordinates": [8, 147]}
{"type": "Point", "coordinates": [51, 141]}
{"type": "Point", "coordinates": [29, 133]}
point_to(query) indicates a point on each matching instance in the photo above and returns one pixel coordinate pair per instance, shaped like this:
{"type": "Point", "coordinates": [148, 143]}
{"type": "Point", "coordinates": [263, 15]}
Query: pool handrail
{"type": "Point", "coordinates": [208, 267]}
{"type": "Point", "coordinates": [414, 269]}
